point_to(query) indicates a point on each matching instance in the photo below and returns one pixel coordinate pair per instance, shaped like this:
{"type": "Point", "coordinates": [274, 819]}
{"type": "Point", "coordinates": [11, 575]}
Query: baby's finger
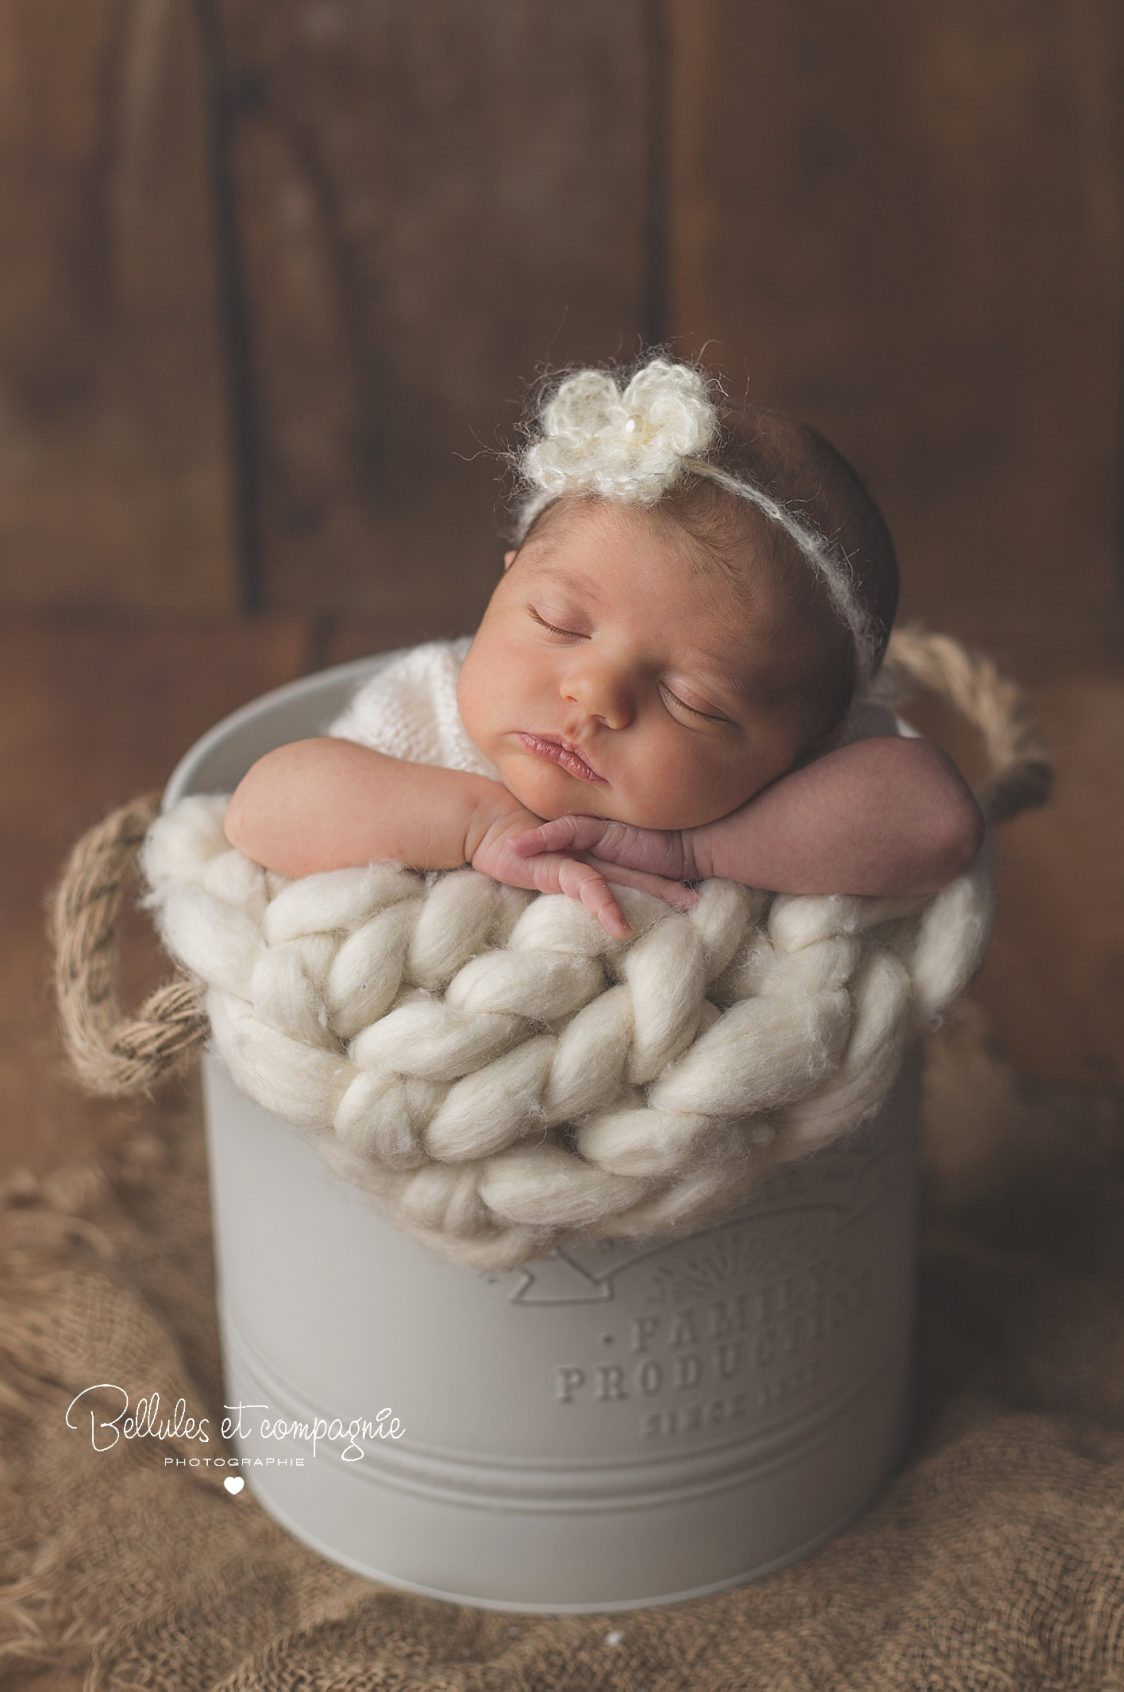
{"type": "Point", "coordinates": [671, 892]}
{"type": "Point", "coordinates": [581, 881]}
{"type": "Point", "coordinates": [560, 834]}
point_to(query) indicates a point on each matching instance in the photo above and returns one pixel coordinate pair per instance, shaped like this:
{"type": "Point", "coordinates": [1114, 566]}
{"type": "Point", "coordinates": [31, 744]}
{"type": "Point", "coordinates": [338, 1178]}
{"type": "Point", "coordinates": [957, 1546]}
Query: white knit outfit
{"type": "Point", "coordinates": [408, 709]}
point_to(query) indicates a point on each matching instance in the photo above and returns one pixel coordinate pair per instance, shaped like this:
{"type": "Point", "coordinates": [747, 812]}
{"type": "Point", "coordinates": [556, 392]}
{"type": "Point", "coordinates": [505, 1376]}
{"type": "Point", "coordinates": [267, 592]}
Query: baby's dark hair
{"type": "Point", "coordinates": [798, 467]}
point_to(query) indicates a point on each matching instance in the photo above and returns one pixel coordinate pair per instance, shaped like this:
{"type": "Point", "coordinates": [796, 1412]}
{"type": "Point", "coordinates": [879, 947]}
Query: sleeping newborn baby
{"type": "Point", "coordinates": [669, 682]}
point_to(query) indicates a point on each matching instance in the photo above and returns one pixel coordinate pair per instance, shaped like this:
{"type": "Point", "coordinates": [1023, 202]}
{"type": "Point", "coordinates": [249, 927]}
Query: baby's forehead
{"type": "Point", "coordinates": [740, 589]}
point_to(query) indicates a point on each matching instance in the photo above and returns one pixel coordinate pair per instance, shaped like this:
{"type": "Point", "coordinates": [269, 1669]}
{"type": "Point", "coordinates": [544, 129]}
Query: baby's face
{"type": "Point", "coordinates": [674, 685]}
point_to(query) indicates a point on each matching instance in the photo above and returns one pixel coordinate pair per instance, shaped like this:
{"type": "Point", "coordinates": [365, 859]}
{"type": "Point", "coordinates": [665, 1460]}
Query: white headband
{"type": "Point", "coordinates": [633, 446]}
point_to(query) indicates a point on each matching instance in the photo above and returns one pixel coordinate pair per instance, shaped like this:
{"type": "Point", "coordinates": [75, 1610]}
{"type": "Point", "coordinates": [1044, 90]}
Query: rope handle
{"type": "Point", "coordinates": [111, 1054]}
{"type": "Point", "coordinates": [114, 1055]}
{"type": "Point", "coordinates": [1021, 769]}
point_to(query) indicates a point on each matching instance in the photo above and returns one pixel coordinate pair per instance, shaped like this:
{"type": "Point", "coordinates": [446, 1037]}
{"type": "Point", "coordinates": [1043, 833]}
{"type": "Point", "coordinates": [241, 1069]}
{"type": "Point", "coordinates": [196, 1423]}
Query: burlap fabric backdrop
{"type": "Point", "coordinates": [995, 1559]}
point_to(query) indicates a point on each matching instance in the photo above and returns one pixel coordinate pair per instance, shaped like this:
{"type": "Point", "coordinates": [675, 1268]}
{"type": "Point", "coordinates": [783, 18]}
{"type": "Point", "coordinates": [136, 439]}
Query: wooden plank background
{"type": "Point", "coordinates": [279, 279]}
{"type": "Point", "coordinates": [906, 223]}
{"type": "Point", "coordinates": [430, 201]}
{"type": "Point", "coordinates": [115, 466]}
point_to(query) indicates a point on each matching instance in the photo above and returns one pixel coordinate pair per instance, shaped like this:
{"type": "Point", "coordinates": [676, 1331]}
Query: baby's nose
{"type": "Point", "coordinates": [600, 690]}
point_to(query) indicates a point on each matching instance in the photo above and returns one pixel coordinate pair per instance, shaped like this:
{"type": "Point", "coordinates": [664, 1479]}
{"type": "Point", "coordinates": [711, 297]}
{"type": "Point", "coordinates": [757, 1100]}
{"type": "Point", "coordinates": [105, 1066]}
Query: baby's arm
{"type": "Point", "coordinates": [890, 816]}
{"type": "Point", "coordinates": [330, 803]}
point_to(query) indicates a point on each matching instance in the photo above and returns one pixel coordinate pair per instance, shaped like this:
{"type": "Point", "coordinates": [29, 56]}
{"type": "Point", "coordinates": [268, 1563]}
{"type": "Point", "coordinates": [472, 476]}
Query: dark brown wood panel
{"type": "Point", "coordinates": [115, 471]}
{"type": "Point", "coordinates": [904, 223]}
{"type": "Point", "coordinates": [431, 202]}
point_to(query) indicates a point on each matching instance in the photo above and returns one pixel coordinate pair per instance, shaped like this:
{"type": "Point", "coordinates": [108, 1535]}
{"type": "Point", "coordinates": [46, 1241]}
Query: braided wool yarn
{"type": "Point", "coordinates": [500, 1072]}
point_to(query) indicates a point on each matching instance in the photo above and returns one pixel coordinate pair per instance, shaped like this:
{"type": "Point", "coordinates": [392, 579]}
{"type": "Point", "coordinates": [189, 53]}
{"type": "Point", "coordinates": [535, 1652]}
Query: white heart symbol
{"type": "Point", "coordinates": [234, 1483]}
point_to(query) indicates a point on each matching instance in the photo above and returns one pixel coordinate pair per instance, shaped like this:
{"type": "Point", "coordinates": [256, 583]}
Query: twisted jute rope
{"type": "Point", "coordinates": [114, 1054]}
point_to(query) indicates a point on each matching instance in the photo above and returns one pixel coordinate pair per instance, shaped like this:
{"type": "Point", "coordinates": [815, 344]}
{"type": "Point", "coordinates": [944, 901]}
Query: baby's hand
{"type": "Point", "coordinates": [579, 877]}
{"type": "Point", "coordinates": [661, 852]}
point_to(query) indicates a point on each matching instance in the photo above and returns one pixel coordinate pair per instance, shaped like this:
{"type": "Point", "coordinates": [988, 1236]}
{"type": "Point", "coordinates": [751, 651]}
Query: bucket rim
{"type": "Point", "coordinates": [354, 669]}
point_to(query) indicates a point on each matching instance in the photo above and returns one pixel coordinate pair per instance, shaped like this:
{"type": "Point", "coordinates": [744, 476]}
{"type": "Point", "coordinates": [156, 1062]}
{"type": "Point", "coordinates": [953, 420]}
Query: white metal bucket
{"type": "Point", "coordinates": [615, 1425]}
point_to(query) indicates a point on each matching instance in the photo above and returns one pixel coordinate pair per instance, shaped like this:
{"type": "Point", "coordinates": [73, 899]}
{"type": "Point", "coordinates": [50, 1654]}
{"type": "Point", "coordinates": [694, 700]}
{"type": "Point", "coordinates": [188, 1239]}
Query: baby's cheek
{"type": "Point", "coordinates": [693, 791]}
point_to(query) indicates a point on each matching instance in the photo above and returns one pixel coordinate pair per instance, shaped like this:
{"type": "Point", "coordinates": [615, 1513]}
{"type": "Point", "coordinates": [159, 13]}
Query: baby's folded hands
{"type": "Point", "coordinates": [662, 852]}
{"type": "Point", "coordinates": [540, 866]}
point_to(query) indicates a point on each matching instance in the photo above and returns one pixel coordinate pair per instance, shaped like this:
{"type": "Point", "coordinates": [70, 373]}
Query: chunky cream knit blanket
{"type": "Point", "coordinates": [500, 1072]}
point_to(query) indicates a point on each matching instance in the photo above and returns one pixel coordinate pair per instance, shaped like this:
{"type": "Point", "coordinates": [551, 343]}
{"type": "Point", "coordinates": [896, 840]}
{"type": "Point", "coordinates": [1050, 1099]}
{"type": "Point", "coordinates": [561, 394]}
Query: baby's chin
{"type": "Point", "coordinates": [550, 792]}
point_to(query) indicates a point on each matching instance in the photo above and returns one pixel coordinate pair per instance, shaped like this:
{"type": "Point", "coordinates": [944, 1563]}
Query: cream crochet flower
{"type": "Point", "coordinates": [628, 445]}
